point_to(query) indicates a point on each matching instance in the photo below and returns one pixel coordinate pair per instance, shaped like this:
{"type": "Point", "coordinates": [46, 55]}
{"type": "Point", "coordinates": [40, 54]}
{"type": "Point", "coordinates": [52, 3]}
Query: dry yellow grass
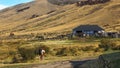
{"type": "Point", "coordinates": [63, 19]}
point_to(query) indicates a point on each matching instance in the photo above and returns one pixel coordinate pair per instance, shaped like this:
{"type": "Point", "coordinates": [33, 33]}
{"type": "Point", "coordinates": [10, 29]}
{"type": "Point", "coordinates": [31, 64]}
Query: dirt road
{"type": "Point", "coordinates": [63, 64]}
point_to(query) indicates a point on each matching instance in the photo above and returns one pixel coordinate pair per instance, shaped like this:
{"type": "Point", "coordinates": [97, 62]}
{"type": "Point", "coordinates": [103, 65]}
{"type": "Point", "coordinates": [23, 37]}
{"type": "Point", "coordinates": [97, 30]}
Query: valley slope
{"type": "Point", "coordinates": [45, 17]}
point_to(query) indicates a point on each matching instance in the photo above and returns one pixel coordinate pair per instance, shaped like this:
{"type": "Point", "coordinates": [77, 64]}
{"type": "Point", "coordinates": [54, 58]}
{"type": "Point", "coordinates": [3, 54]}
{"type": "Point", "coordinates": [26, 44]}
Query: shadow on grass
{"type": "Point", "coordinates": [76, 64]}
{"type": "Point", "coordinates": [110, 60]}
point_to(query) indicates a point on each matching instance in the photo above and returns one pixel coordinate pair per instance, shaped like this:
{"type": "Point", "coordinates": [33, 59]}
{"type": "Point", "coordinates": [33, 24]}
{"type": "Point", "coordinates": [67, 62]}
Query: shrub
{"type": "Point", "coordinates": [27, 52]}
{"type": "Point", "coordinates": [107, 44]}
{"type": "Point", "coordinates": [99, 49]}
{"type": "Point", "coordinates": [88, 48]}
{"type": "Point", "coordinates": [12, 52]}
{"type": "Point", "coordinates": [64, 51]}
{"type": "Point", "coordinates": [16, 58]}
{"type": "Point", "coordinates": [67, 51]}
{"type": "Point", "coordinates": [116, 47]}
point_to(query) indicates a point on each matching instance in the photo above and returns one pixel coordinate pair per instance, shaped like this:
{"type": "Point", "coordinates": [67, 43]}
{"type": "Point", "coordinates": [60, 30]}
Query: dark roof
{"type": "Point", "coordinates": [88, 27]}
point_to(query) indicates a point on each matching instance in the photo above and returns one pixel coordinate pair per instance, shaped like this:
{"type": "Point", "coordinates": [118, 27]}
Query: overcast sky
{"type": "Point", "coordinates": [8, 3]}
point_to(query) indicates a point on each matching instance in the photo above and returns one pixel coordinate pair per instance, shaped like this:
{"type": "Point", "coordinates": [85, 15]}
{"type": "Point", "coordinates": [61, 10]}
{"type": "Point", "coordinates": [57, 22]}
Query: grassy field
{"type": "Point", "coordinates": [9, 49]}
{"type": "Point", "coordinates": [105, 15]}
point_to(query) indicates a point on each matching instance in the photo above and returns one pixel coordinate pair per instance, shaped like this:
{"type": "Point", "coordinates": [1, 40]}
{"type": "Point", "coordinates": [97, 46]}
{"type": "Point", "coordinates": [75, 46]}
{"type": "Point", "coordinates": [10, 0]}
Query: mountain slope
{"type": "Point", "coordinates": [43, 16]}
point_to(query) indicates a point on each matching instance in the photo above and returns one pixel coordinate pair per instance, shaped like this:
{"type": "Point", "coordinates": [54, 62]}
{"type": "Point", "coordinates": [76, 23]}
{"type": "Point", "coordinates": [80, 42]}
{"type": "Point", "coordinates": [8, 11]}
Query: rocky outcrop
{"type": "Point", "coordinates": [90, 2]}
{"type": "Point", "coordinates": [62, 2]}
{"type": "Point", "coordinates": [79, 2]}
{"type": "Point", "coordinates": [25, 8]}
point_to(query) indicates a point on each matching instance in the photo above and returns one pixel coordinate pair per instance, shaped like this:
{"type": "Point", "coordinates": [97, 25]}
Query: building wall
{"type": "Point", "coordinates": [87, 33]}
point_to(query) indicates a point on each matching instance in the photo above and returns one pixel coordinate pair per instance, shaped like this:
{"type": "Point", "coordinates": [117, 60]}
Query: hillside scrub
{"type": "Point", "coordinates": [67, 51]}
{"type": "Point", "coordinates": [75, 51]}
{"type": "Point", "coordinates": [107, 44]}
{"type": "Point", "coordinates": [27, 52]}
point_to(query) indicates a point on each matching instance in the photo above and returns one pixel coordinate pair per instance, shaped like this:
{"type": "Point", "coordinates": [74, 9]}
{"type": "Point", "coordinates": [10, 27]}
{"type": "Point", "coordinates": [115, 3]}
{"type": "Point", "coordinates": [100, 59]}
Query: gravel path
{"type": "Point", "coordinates": [63, 64]}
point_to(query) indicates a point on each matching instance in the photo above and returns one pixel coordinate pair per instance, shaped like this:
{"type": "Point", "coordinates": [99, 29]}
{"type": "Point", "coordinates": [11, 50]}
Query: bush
{"type": "Point", "coordinates": [88, 48]}
{"type": "Point", "coordinates": [117, 47]}
{"type": "Point", "coordinates": [68, 51]}
{"type": "Point", "coordinates": [27, 52]}
{"type": "Point", "coordinates": [99, 49]}
{"type": "Point", "coordinates": [16, 58]}
{"type": "Point", "coordinates": [11, 53]}
{"type": "Point", "coordinates": [107, 44]}
{"type": "Point", "coordinates": [64, 51]}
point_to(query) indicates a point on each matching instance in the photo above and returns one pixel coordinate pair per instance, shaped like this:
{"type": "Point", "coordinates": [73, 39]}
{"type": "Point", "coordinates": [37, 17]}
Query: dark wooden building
{"type": "Point", "coordinates": [88, 30]}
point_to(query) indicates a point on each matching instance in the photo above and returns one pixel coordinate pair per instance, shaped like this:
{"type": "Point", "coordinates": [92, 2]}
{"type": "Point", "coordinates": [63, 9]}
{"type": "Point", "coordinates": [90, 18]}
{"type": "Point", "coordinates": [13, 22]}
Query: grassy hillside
{"type": "Point", "coordinates": [43, 16]}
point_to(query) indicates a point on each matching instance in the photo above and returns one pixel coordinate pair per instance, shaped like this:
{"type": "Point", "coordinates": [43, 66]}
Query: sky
{"type": "Point", "coordinates": [8, 3]}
